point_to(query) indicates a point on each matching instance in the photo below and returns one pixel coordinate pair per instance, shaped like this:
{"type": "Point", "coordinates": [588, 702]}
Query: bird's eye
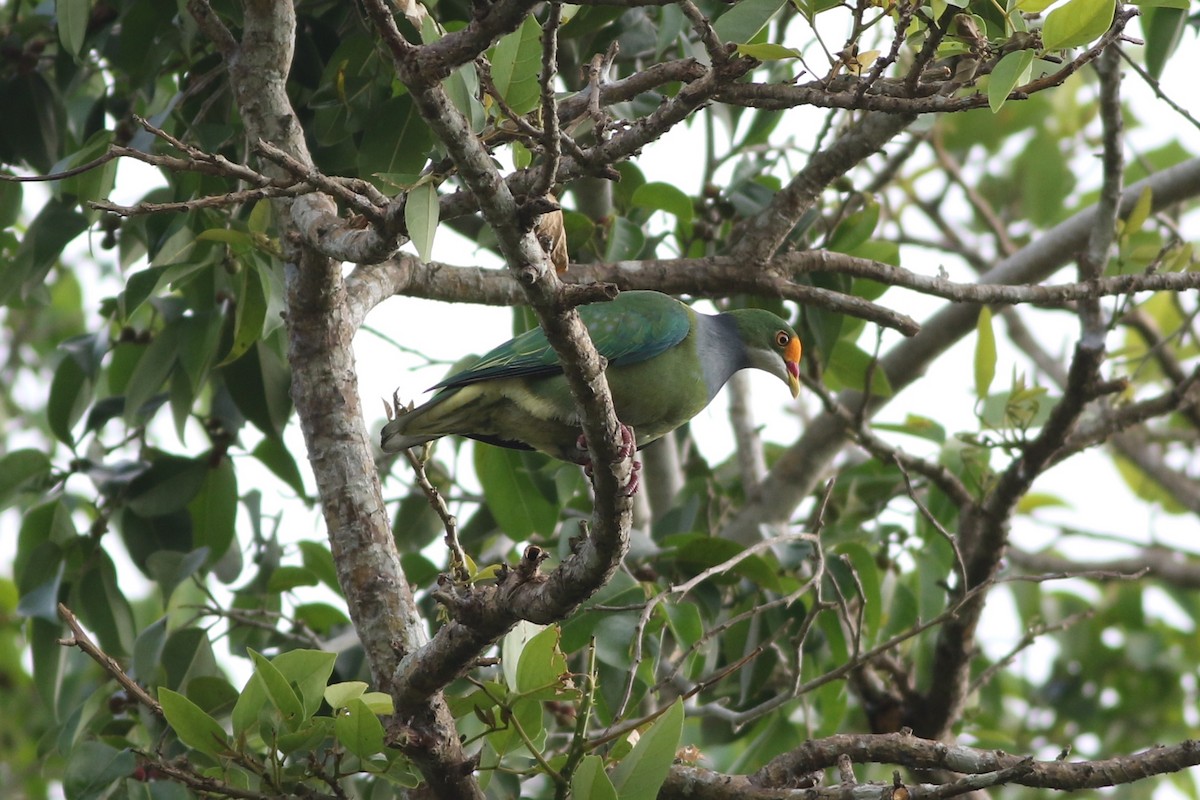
{"type": "Point", "coordinates": [782, 338]}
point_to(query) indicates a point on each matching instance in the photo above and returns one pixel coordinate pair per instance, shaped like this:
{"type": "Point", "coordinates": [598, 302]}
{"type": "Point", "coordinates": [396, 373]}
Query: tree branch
{"type": "Point", "coordinates": [916, 753]}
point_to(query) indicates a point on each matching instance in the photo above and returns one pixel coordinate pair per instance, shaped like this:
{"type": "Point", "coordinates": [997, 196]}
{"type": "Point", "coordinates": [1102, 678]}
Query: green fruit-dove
{"type": "Point", "coordinates": [665, 363]}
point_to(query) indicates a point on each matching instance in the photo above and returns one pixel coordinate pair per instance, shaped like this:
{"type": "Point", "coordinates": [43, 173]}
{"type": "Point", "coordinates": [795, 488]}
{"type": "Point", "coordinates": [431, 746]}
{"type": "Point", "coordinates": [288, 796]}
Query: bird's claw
{"type": "Point", "coordinates": [397, 408]}
{"type": "Point", "coordinates": [627, 448]}
{"type": "Point", "coordinates": [634, 482]}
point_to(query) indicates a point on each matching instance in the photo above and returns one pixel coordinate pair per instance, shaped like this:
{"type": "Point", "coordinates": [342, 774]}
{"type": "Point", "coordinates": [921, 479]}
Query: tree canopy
{"type": "Point", "coordinates": [220, 587]}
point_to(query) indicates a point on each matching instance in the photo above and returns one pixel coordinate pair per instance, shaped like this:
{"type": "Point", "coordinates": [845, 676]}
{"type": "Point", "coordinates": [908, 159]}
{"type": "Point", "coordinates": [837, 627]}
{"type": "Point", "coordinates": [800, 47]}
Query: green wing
{"type": "Point", "coordinates": [634, 327]}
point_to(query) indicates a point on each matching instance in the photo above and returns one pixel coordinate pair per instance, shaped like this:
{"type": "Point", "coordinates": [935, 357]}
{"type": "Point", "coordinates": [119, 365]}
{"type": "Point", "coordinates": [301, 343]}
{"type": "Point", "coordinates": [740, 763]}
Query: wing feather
{"type": "Point", "coordinates": [635, 327]}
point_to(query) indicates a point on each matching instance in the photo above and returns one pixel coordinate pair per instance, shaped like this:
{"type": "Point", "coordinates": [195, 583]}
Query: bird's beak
{"type": "Point", "coordinates": [791, 361]}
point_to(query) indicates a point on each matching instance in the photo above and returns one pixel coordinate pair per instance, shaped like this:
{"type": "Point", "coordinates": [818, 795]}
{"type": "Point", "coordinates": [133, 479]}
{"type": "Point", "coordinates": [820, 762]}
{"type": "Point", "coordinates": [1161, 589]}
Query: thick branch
{"type": "Point", "coordinates": [722, 276]}
{"type": "Point", "coordinates": [916, 753]}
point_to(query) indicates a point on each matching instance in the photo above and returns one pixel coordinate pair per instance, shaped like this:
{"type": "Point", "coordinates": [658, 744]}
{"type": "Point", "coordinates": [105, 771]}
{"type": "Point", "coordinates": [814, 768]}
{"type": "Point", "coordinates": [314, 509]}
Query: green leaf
{"type": "Point", "coordinates": [93, 766]}
{"type": "Point", "coordinates": [857, 228]}
{"type": "Point", "coordinates": [379, 703]}
{"type": "Point", "coordinates": [199, 337]}
{"type": "Point", "coordinates": [463, 88]}
{"type": "Point", "coordinates": [138, 287]}
{"type": "Point", "coordinates": [32, 107]}
{"type": "Point", "coordinates": [421, 218]}
{"type": "Point", "coordinates": [22, 470]}
{"type": "Point", "coordinates": [275, 456]}
{"type": "Point", "coordinates": [192, 725]}
{"type": "Point", "coordinates": [1022, 408]}
{"type": "Point", "coordinates": [519, 508]}
{"type": "Point", "coordinates": [745, 19]}
{"type": "Point", "coordinates": [1011, 70]}
{"type": "Point", "coordinates": [1045, 179]}
{"type": "Point", "coordinates": [103, 607]}
{"type": "Point", "coordinates": [1032, 501]}
{"type": "Point", "coordinates": [591, 782]}
{"type": "Point", "coordinates": [1146, 487]}
{"type": "Point", "coordinates": [664, 197]}
{"type": "Point", "coordinates": [511, 647]}
{"type": "Point", "coordinates": [250, 313]}
{"type": "Point", "coordinates": [169, 568]}
{"type": "Point", "coordinates": [259, 383]}
{"type": "Point", "coordinates": [288, 577]}
{"type": "Point", "coordinates": [640, 774]}
{"type": "Point", "coordinates": [151, 373]}
{"type": "Point", "coordinates": [318, 560]}
{"type": "Point", "coordinates": [768, 52]}
{"type": "Point", "coordinates": [72, 18]}
{"type": "Point", "coordinates": [322, 617]}
{"type": "Point", "coordinates": [625, 240]}
{"type": "Point", "coordinates": [985, 353]}
{"type": "Point", "coordinates": [11, 197]}
{"type": "Point", "coordinates": [308, 671]}
{"type": "Point", "coordinates": [47, 534]}
{"type": "Point", "coordinates": [916, 425]}
{"type": "Point", "coordinates": [1163, 24]}
{"type": "Point", "coordinates": [701, 552]}
{"type": "Point", "coordinates": [1138, 215]}
{"type": "Point", "coordinates": [70, 394]}
{"type": "Point", "coordinates": [97, 182]}
{"type": "Point", "coordinates": [279, 691]}
{"type": "Point", "coordinates": [686, 623]}
{"type": "Point", "coordinates": [811, 8]}
{"type": "Point", "coordinates": [339, 694]}
{"type": "Point", "coordinates": [358, 729]}
{"type": "Point", "coordinates": [517, 64]}
{"type": "Point", "coordinates": [55, 225]}
{"type": "Point", "coordinates": [177, 247]}
{"type": "Point", "coordinates": [48, 657]}
{"type": "Point", "coordinates": [867, 573]}
{"type": "Point", "coordinates": [395, 139]}
{"type": "Point", "coordinates": [1077, 23]}
{"type": "Point", "coordinates": [148, 650]}
{"type": "Point", "coordinates": [169, 484]}
{"type": "Point", "coordinates": [521, 156]}
{"type": "Point", "coordinates": [542, 665]}
{"type": "Point", "coordinates": [214, 510]}
{"type": "Point", "coordinates": [850, 367]}
{"type": "Point", "coordinates": [528, 714]}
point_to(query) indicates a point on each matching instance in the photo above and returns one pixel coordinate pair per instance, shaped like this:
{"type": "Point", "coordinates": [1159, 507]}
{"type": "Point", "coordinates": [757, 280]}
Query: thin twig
{"type": "Point", "coordinates": [80, 639]}
{"type": "Point", "coordinates": [458, 556]}
{"type": "Point", "coordinates": [932, 520]}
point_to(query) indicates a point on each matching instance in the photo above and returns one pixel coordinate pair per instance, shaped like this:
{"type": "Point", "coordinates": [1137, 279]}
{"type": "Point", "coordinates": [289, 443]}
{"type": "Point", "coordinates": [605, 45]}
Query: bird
{"type": "Point", "coordinates": [665, 363]}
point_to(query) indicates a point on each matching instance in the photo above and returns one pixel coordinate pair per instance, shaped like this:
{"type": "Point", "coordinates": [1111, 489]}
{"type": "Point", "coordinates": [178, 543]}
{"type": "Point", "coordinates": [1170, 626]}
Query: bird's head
{"type": "Point", "coordinates": [771, 345]}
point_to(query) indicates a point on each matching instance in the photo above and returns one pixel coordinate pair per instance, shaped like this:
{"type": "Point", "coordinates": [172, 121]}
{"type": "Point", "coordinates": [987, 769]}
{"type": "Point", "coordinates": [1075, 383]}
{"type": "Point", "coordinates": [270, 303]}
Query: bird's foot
{"type": "Point", "coordinates": [635, 480]}
{"type": "Point", "coordinates": [397, 409]}
{"type": "Point", "coordinates": [628, 447]}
